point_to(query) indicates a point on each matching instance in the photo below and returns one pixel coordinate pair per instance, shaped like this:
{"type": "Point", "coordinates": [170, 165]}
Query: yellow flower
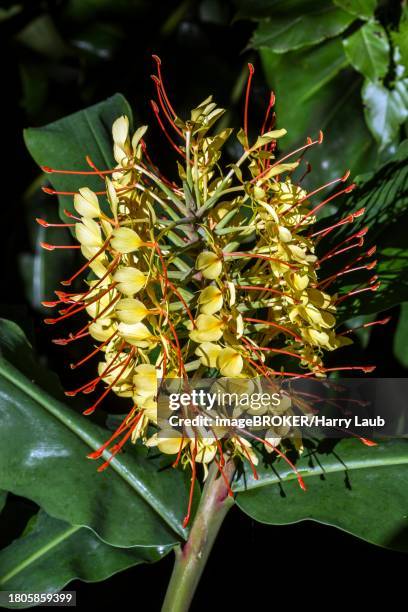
{"type": "Point", "coordinates": [208, 329]}
{"type": "Point", "coordinates": [145, 380]}
{"type": "Point", "coordinates": [125, 240]}
{"type": "Point", "coordinates": [230, 362]}
{"type": "Point", "coordinates": [137, 334]}
{"type": "Point", "coordinates": [130, 280]}
{"type": "Point", "coordinates": [131, 311]}
{"type": "Point", "coordinates": [208, 353]}
{"type": "Point", "coordinates": [210, 300]}
{"type": "Point", "coordinates": [209, 265]}
{"type": "Point", "coordinates": [88, 233]}
{"type": "Point", "coordinates": [86, 203]}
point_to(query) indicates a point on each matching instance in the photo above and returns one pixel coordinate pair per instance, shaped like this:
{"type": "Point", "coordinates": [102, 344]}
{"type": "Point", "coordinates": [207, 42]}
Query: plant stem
{"type": "Point", "coordinates": [192, 558]}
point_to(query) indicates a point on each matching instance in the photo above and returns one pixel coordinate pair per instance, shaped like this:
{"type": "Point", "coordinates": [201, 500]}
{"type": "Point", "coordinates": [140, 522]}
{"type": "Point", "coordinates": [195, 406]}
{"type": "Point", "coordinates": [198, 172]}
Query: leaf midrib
{"type": "Point", "coordinates": [356, 464]}
{"type": "Point", "coordinates": [88, 439]}
{"type": "Point", "coordinates": [39, 553]}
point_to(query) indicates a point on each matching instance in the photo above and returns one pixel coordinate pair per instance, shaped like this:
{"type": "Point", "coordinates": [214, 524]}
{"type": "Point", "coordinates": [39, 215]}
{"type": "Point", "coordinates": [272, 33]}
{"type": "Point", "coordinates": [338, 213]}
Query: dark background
{"type": "Point", "coordinates": [58, 57]}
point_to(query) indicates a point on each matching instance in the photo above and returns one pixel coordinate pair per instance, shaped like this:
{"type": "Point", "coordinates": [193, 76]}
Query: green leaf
{"type": "Point", "coordinates": [384, 195]}
{"type": "Point", "coordinates": [313, 92]}
{"type": "Point", "coordinates": [51, 553]}
{"type": "Point", "coordinates": [87, 132]}
{"type": "Point", "coordinates": [400, 39]}
{"type": "Point", "coordinates": [360, 8]}
{"type": "Point", "coordinates": [349, 488]}
{"type": "Point", "coordinates": [139, 501]}
{"type": "Point", "coordinates": [401, 337]}
{"type": "Point", "coordinates": [315, 23]}
{"type": "Point", "coordinates": [385, 110]}
{"type": "Point", "coordinates": [368, 51]}
{"type": "Point", "coordinates": [3, 499]}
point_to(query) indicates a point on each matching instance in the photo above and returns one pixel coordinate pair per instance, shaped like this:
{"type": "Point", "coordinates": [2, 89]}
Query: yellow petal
{"type": "Point", "coordinates": [101, 330]}
{"type": "Point", "coordinates": [208, 329]}
{"type": "Point", "coordinates": [88, 233]}
{"type": "Point", "coordinates": [230, 362]}
{"type": "Point", "coordinates": [130, 310]}
{"type": "Point", "coordinates": [145, 380]}
{"type": "Point", "coordinates": [86, 203]}
{"type": "Point", "coordinates": [210, 300]}
{"type": "Point", "coordinates": [209, 265]}
{"type": "Point", "coordinates": [125, 240]}
{"type": "Point", "coordinates": [130, 280]}
{"type": "Point", "coordinates": [208, 353]}
{"type": "Point", "coordinates": [120, 130]}
{"type": "Point", "coordinates": [136, 334]}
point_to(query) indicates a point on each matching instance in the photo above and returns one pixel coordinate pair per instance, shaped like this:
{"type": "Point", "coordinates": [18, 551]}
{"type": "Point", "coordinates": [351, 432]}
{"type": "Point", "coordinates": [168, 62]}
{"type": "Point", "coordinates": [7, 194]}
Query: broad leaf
{"type": "Point", "coordinates": [401, 337]}
{"type": "Point", "coordinates": [64, 145]}
{"type": "Point", "coordinates": [360, 8]}
{"type": "Point", "coordinates": [138, 501]}
{"type": "Point", "coordinates": [368, 51]}
{"type": "Point", "coordinates": [400, 39]}
{"type": "Point", "coordinates": [313, 92]}
{"type": "Point", "coordinates": [384, 195]}
{"type": "Point", "coordinates": [51, 553]}
{"type": "Point", "coordinates": [385, 110]}
{"type": "Point", "coordinates": [348, 487]}
{"type": "Point", "coordinates": [3, 499]}
{"type": "Point", "coordinates": [316, 22]}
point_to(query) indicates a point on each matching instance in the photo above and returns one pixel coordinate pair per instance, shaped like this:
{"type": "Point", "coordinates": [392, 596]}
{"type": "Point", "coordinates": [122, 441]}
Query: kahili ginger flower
{"type": "Point", "coordinates": [215, 273]}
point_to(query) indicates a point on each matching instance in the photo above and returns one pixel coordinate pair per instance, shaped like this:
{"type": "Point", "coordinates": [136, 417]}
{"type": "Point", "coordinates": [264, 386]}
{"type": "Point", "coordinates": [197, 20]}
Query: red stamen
{"type": "Point", "coordinates": [379, 322]}
{"type": "Point", "coordinates": [349, 219]}
{"type": "Point", "coordinates": [163, 128]}
{"type": "Point", "coordinates": [326, 201]}
{"type": "Point", "coordinates": [52, 247]}
{"type": "Point", "coordinates": [45, 223]}
{"type": "Point", "coordinates": [73, 366]}
{"type": "Point", "coordinates": [163, 106]}
{"type": "Point", "coordinates": [68, 193]}
{"type": "Point", "coordinates": [365, 369]}
{"type": "Point", "coordinates": [158, 64]}
{"type": "Point", "coordinates": [309, 143]}
{"type": "Point", "coordinates": [284, 457]}
{"type": "Point", "coordinates": [49, 170]}
{"type": "Point", "coordinates": [85, 266]}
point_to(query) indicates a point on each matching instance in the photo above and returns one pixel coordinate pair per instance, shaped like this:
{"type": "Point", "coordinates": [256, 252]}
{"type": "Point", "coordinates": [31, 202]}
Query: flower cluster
{"type": "Point", "coordinates": [216, 274]}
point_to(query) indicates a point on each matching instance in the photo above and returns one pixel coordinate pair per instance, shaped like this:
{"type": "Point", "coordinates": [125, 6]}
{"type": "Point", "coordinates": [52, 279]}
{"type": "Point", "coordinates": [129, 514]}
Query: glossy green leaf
{"type": "Point", "coordinates": [368, 51]}
{"type": "Point", "coordinates": [385, 110]}
{"type": "Point", "coordinates": [139, 501]}
{"type": "Point", "coordinates": [360, 8]}
{"type": "Point", "coordinates": [349, 488]}
{"type": "Point", "coordinates": [313, 92]}
{"type": "Point", "coordinates": [64, 145]}
{"type": "Point", "coordinates": [52, 553]}
{"type": "Point", "coordinates": [315, 23]}
{"type": "Point", "coordinates": [401, 337]}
